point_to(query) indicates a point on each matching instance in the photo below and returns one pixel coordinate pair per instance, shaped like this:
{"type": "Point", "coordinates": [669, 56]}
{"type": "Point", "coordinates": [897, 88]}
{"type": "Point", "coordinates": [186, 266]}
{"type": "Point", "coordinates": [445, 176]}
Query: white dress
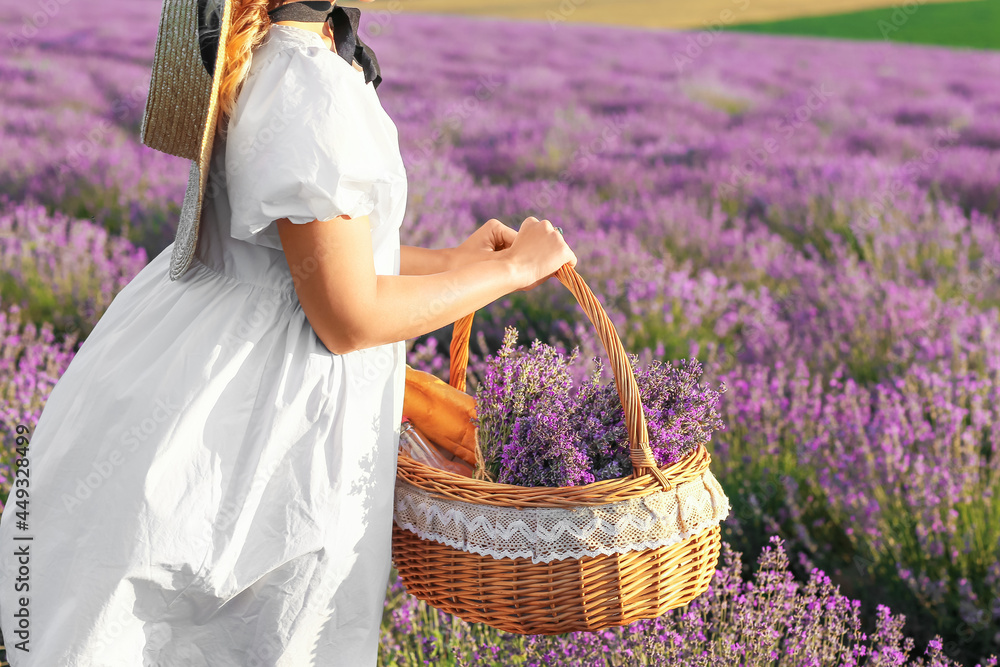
{"type": "Point", "coordinates": [209, 485]}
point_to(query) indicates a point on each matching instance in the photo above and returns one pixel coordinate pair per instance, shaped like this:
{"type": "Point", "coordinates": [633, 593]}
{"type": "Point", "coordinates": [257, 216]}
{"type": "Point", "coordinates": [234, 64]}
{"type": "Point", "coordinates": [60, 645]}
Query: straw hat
{"type": "Point", "coordinates": [182, 109]}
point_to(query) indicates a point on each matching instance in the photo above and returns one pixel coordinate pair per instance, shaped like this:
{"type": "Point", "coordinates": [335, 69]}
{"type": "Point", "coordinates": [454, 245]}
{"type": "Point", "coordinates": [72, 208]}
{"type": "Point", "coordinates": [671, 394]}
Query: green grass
{"type": "Point", "coordinates": [974, 24]}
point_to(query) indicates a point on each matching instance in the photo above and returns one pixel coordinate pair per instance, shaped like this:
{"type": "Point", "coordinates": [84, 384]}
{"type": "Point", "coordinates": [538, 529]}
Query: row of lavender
{"type": "Point", "coordinates": [816, 221]}
{"type": "Point", "coordinates": [769, 619]}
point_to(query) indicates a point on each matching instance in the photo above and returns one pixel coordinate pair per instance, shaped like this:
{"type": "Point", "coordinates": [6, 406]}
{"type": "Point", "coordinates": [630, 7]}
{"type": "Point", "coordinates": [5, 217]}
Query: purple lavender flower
{"type": "Point", "coordinates": [31, 362]}
{"type": "Point", "coordinates": [680, 414]}
{"type": "Point", "coordinates": [534, 432]}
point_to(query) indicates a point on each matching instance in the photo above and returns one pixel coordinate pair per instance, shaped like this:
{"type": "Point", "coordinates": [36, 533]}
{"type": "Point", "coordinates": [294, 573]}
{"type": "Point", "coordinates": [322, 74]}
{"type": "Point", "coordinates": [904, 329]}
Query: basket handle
{"type": "Point", "coordinates": [635, 421]}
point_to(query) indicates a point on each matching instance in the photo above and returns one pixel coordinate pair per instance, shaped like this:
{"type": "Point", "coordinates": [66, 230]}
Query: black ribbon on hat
{"type": "Point", "coordinates": [343, 22]}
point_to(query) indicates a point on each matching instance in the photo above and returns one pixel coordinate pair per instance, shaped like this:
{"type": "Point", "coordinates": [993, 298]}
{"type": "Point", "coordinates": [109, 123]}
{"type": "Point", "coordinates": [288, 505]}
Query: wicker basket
{"type": "Point", "coordinates": [588, 593]}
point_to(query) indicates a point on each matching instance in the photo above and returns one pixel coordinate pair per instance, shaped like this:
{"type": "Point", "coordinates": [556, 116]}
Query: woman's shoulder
{"type": "Point", "coordinates": [302, 50]}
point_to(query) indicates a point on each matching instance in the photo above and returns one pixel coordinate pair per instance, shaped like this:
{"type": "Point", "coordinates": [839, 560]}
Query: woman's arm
{"type": "Point", "coordinates": [417, 261]}
{"type": "Point", "coordinates": [350, 307]}
{"type": "Point", "coordinates": [482, 244]}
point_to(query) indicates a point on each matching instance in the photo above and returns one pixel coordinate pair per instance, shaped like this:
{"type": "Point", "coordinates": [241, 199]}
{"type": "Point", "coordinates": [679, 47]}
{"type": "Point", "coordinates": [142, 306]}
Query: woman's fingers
{"type": "Point", "coordinates": [501, 235]}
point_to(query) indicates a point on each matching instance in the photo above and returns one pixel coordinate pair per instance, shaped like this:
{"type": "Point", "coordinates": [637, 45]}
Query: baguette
{"type": "Point", "coordinates": [441, 413]}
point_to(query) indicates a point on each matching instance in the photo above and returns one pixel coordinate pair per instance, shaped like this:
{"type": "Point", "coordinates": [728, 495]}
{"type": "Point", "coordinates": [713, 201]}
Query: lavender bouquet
{"type": "Point", "coordinates": [535, 431]}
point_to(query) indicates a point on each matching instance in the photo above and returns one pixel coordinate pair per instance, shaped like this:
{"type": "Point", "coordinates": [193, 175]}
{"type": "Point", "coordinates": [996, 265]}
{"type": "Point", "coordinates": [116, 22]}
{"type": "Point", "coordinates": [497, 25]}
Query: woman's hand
{"type": "Point", "coordinates": [484, 243]}
{"type": "Point", "coordinates": [538, 252]}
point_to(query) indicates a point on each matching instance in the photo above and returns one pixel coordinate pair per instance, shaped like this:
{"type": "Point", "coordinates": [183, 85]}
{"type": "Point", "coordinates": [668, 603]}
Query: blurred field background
{"type": "Point", "coordinates": [960, 23]}
{"type": "Point", "coordinates": [816, 220]}
{"type": "Point", "coordinates": [676, 14]}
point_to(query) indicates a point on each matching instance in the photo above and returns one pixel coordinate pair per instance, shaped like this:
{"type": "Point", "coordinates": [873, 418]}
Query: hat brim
{"type": "Point", "coordinates": [182, 110]}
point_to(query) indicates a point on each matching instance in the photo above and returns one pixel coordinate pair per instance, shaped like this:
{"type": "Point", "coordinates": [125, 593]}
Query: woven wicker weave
{"type": "Point", "coordinates": [588, 593]}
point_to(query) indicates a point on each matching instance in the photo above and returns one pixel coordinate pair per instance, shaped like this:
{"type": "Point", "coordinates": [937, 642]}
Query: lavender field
{"type": "Point", "coordinates": [816, 221]}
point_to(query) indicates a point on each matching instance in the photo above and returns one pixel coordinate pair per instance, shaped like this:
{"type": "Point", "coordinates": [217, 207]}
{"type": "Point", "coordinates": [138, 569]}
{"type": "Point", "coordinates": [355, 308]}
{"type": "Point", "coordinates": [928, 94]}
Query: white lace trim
{"type": "Point", "coordinates": [547, 534]}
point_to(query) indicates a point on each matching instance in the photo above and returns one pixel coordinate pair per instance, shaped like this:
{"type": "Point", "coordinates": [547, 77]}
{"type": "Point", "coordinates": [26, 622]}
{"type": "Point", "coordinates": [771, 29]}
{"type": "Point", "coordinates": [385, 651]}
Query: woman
{"type": "Point", "coordinates": [211, 480]}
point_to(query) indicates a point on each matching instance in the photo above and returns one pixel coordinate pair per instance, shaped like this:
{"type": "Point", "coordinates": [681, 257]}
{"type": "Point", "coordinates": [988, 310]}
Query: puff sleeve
{"type": "Point", "coordinates": [299, 146]}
